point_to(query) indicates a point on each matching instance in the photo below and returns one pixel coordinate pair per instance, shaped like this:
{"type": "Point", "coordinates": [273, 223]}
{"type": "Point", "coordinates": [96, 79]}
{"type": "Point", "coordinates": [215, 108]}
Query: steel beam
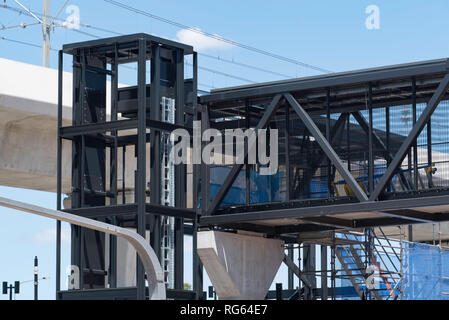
{"type": "Point", "coordinates": [318, 211]}
{"type": "Point", "coordinates": [69, 132]}
{"type": "Point", "coordinates": [414, 133]}
{"type": "Point", "coordinates": [325, 81]}
{"type": "Point", "coordinates": [414, 215]}
{"type": "Point", "coordinates": [326, 147]}
{"type": "Point", "coordinates": [377, 140]}
{"type": "Point", "coordinates": [270, 111]}
{"type": "Point", "coordinates": [330, 221]}
{"type": "Point", "coordinates": [295, 269]}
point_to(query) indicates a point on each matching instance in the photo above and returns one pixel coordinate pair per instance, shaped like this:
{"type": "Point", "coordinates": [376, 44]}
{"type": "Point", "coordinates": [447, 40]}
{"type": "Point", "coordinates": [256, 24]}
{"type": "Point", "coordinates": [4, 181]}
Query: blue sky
{"type": "Point", "coordinates": [324, 33]}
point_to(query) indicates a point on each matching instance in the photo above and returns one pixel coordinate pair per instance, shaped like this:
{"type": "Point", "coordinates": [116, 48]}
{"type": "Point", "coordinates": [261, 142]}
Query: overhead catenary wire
{"type": "Point", "coordinates": [201, 54]}
{"type": "Point", "coordinates": [24, 43]}
{"type": "Point", "coordinates": [248, 66]}
{"type": "Point", "coordinates": [244, 65]}
{"type": "Point", "coordinates": [217, 37]}
{"type": "Point", "coordinates": [55, 50]}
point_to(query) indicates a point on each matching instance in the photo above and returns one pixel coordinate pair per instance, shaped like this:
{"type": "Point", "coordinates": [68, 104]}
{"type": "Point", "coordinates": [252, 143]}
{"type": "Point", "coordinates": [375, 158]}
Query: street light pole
{"type": "Point", "coordinates": [36, 279]}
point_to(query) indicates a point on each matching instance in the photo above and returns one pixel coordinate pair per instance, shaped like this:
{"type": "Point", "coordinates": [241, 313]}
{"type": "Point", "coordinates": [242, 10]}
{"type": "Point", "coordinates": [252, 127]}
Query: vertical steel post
{"type": "Point", "coordinates": [278, 291]}
{"type": "Point", "coordinates": [370, 140]}
{"type": "Point", "coordinates": [333, 271]}
{"type": "Point", "coordinates": [180, 176]}
{"type": "Point", "coordinates": [155, 145]}
{"type": "Point", "coordinates": [247, 166]}
{"type": "Point", "coordinates": [387, 129]}
{"type": "Point", "coordinates": [348, 140]}
{"type": "Point", "coordinates": [197, 266]}
{"type": "Point", "coordinates": [112, 275]}
{"type": "Point", "coordinates": [196, 262]}
{"type": "Point", "coordinates": [290, 273]}
{"type": "Point", "coordinates": [59, 173]}
{"type": "Point", "coordinates": [429, 148]}
{"type": "Point", "coordinates": [205, 168]}
{"type": "Point", "coordinates": [309, 251]}
{"type": "Point", "coordinates": [288, 178]}
{"type": "Point", "coordinates": [140, 192]}
{"type": "Point", "coordinates": [328, 138]}
{"type": "Point", "coordinates": [324, 287]}
{"type": "Point", "coordinates": [415, 145]}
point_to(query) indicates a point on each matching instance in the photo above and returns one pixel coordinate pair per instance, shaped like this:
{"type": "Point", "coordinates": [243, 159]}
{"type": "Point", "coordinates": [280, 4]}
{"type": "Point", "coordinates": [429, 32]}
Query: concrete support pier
{"type": "Point", "coordinates": [241, 267]}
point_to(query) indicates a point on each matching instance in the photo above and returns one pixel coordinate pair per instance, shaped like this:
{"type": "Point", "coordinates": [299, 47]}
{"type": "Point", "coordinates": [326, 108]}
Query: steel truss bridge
{"type": "Point", "coordinates": [344, 162]}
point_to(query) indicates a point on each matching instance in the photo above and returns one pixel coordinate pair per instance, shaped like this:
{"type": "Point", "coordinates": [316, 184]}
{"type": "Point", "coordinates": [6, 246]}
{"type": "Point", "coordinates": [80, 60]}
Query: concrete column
{"type": "Point", "coordinates": [241, 267]}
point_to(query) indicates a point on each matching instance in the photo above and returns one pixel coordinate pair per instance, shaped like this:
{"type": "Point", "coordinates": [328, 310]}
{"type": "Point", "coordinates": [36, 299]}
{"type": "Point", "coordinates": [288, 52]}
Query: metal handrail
{"type": "Point", "coordinates": [149, 259]}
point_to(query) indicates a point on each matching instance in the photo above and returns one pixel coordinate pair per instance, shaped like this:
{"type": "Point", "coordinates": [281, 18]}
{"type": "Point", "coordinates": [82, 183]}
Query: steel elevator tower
{"type": "Point", "coordinates": [152, 199]}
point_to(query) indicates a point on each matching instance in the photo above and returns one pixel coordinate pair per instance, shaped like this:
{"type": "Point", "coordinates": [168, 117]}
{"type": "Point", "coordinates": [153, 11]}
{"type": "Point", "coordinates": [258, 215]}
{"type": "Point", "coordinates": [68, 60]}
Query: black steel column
{"type": "Point", "coordinates": [387, 129]}
{"type": "Point", "coordinates": [112, 276]}
{"type": "Point", "coordinates": [59, 173]}
{"type": "Point", "coordinates": [309, 252]}
{"type": "Point", "coordinates": [324, 286]}
{"type": "Point", "coordinates": [370, 140]}
{"type": "Point", "coordinates": [140, 193]}
{"type": "Point", "coordinates": [290, 273]}
{"type": "Point", "coordinates": [288, 178]}
{"type": "Point", "coordinates": [205, 168]}
{"type": "Point", "coordinates": [328, 138]}
{"type": "Point", "coordinates": [415, 145]}
{"type": "Point", "coordinates": [333, 270]}
{"type": "Point", "coordinates": [429, 149]}
{"type": "Point", "coordinates": [247, 166]}
{"type": "Point", "coordinates": [155, 141]}
{"type": "Point", "coordinates": [197, 265]}
{"type": "Point", "coordinates": [348, 140]}
{"type": "Point", "coordinates": [180, 176]}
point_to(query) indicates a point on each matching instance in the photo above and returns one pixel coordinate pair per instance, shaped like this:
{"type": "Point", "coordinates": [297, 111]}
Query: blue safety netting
{"type": "Point", "coordinates": [263, 188]}
{"type": "Point", "coordinates": [425, 272]}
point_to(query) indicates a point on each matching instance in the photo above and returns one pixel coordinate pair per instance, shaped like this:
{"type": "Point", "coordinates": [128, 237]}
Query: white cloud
{"type": "Point", "coordinates": [200, 41]}
{"type": "Point", "coordinates": [49, 236]}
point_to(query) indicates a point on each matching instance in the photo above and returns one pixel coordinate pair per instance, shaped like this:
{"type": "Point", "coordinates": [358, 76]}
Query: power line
{"type": "Point", "coordinates": [22, 25]}
{"type": "Point", "coordinates": [24, 43]}
{"type": "Point", "coordinates": [199, 67]}
{"type": "Point", "coordinates": [201, 54]}
{"type": "Point", "coordinates": [117, 33]}
{"type": "Point", "coordinates": [55, 50]}
{"type": "Point", "coordinates": [222, 73]}
{"type": "Point", "coordinates": [216, 37]}
{"type": "Point", "coordinates": [244, 65]}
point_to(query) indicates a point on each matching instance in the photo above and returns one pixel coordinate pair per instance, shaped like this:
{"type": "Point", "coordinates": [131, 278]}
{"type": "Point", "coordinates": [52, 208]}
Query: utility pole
{"type": "Point", "coordinates": [36, 279]}
{"type": "Point", "coordinates": [46, 28]}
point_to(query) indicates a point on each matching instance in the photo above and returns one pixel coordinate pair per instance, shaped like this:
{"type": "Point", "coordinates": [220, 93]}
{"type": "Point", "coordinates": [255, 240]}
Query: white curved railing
{"type": "Point", "coordinates": [148, 257]}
